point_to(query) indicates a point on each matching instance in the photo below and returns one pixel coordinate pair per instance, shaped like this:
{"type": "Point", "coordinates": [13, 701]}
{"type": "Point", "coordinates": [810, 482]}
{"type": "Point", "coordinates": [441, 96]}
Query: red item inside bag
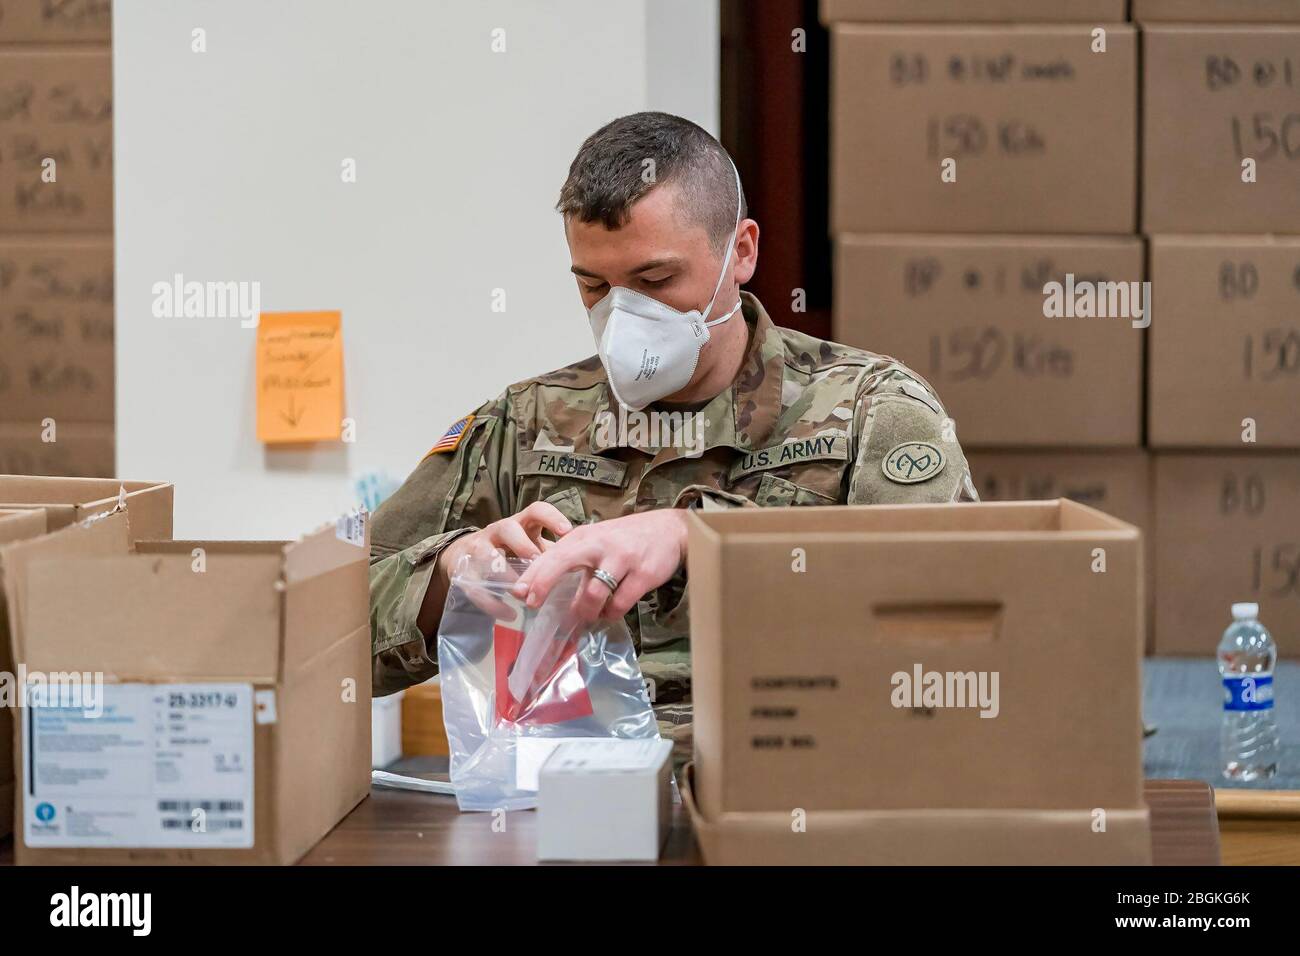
{"type": "Point", "coordinates": [559, 696]}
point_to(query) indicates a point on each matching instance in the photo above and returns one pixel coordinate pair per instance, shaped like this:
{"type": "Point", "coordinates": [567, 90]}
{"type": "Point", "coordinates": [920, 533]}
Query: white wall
{"type": "Point", "coordinates": [228, 169]}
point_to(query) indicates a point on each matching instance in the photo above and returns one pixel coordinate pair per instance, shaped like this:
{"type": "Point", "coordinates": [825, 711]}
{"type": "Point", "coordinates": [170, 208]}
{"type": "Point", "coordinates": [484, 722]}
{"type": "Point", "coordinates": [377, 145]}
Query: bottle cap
{"type": "Point", "coordinates": [1245, 611]}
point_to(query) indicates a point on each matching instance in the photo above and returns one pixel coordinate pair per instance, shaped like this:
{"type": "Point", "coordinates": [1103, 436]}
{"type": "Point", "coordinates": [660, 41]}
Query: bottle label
{"type": "Point", "coordinates": [1248, 693]}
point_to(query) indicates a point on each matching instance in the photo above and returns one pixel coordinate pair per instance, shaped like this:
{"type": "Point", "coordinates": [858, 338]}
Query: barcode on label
{"type": "Point", "coordinates": [351, 528]}
{"type": "Point", "coordinates": [172, 823]}
{"type": "Point", "coordinates": [218, 806]}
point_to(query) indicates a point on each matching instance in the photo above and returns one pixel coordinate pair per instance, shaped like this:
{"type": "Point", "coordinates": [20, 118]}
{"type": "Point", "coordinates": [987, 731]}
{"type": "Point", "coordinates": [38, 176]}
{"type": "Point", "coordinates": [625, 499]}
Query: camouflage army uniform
{"type": "Point", "coordinates": [805, 422]}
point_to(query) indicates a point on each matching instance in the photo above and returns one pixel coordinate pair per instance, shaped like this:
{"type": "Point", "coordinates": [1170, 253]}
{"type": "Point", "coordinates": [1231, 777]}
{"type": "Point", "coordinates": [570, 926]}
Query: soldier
{"type": "Point", "coordinates": [693, 400]}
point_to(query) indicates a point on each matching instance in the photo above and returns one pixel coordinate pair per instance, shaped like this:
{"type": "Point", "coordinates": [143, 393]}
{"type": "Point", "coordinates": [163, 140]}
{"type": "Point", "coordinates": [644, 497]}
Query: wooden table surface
{"type": "Point", "coordinates": [404, 828]}
{"type": "Point", "coordinates": [398, 827]}
{"type": "Point", "coordinates": [1259, 827]}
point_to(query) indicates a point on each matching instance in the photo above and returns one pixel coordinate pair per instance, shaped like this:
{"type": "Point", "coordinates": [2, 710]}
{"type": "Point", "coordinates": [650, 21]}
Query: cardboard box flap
{"type": "Point", "coordinates": [35, 490]}
{"type": "Point", "coordinates": [325, 549]}
{"type": "Point", "coordinates": [17, 525]}
{"type": "Point", "coordinates": [108, 534]}
{"type": "Point", "coordinates": [322, 577]}
{"type": "Point", "coordinates": [157, 615]}
{"type": "Point", "coordinates": [327, 588]}
{"type": "Point", "coordinates": [1030, 519]}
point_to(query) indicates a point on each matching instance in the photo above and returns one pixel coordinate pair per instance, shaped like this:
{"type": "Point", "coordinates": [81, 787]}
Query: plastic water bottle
{"type": "Point", "coordinates": [1248, 742]}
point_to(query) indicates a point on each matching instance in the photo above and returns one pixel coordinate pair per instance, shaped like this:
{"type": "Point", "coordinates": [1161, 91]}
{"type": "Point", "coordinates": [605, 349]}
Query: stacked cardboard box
{"type": "Point", "coordinates": [56, 248]}
{"type": "Point", "coordinates": [1221, 208]}
{"type": "Point", "coordinates": [1216, 11]}
{"type": "Point", "coordinates": [972, 165]}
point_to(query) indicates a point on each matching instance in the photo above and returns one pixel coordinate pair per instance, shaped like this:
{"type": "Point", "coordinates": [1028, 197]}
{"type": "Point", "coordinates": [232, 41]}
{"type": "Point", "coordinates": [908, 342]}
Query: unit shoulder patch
{"type": "Point", "coordinates": [451, 437]}
{"type": "Point", "coordinates": [913, 462]}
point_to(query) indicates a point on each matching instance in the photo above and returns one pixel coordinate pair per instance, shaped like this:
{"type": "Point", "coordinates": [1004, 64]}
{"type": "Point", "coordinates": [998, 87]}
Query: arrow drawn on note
{"type": "Point", "coordinates": [294, 415]}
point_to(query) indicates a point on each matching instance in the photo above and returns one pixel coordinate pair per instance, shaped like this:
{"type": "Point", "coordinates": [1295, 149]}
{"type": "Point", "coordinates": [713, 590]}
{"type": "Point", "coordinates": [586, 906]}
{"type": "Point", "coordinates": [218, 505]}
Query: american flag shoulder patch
{"type": "Point", "coordinates": [451, 438]}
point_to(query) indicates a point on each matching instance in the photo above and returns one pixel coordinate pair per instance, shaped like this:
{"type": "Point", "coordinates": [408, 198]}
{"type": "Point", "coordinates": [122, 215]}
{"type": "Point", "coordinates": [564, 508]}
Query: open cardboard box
{"type": "Point", "coordinates": [237, 677]}
{"type": "Point", "coordinates": [817, 635]}
{"type": "Point", "coordinates": [34, 505]}
{"type": "Point", "coordinates": [66, 500]}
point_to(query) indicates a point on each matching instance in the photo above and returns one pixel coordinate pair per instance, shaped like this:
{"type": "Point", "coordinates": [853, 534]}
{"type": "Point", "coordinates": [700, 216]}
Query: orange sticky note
{"type": "Point", "coordinates": [299, 377]}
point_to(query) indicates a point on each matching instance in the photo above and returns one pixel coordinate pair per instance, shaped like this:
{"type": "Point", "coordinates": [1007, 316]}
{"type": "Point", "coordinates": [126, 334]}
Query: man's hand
{"type": "Point", "coordinates": [641, 551]}
{"type": "Point", "coordinates": [519, 534]}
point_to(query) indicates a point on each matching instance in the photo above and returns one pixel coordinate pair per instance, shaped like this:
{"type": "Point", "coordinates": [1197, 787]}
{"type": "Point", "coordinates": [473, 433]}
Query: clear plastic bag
{"type": "Point", "coordinates": [517, 681]}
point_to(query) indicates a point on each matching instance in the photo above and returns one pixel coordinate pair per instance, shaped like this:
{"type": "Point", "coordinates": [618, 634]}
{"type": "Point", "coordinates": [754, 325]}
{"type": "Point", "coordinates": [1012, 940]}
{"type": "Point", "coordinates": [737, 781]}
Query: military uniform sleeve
{"type": "Point", "coordinates": [450, 493]}
{"type": "Point", "coordinates": [907, 450]}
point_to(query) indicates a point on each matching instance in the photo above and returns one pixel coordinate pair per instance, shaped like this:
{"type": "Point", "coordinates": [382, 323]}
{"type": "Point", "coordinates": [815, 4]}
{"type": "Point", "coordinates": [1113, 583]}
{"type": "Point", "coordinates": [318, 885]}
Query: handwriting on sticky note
{"type": "Point", "coordinates": [299, 377]}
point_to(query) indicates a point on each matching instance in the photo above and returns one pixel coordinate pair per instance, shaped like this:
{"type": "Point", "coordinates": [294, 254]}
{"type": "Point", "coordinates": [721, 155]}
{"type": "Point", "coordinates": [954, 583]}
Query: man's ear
{"type": "Point", "coordinates": [746, 251]}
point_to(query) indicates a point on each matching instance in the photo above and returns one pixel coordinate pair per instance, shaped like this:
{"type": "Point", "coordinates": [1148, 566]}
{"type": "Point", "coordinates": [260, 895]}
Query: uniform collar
{"type": "Point", "coordinates": [742, 416]}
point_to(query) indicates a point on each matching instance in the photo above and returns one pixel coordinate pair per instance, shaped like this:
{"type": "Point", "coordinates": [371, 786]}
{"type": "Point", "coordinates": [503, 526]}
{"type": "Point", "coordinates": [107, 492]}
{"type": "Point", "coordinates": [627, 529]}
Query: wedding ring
{"type": "Point", "coordinates": [605, 578]}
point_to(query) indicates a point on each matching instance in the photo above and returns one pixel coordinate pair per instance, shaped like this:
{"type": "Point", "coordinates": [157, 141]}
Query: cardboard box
{"type": "Point", "coordinates": [56, 21]}
{"type": "Point", "coordinates": [423, 730]}
{"type": "Point", "coordinates": [968, 313]}
{"type": "Point", "coordinates": [14, 526]}
{"type": "Point", "coordinates": [245, 680]}
{"type": "Point", "coordinates": [1115, 482]}
{"type": "Point", "coordinates": [68, 500]}
{"type": "Point", "coordinates": [1004, 587]}
{"type": "Point", "coordinates": [1225, 345]}
{"type": "Point", "coordinates": [972, 11]}
{"type": "Point", "coordinates": [56, 105]}
{"type": "Point", "coordinates": [1042, 131]}
{"type": "Point", "coordinates": [812, 692]}
{"type": "Point", "coordinates": [793, 683]}
{"type": "Point", "coordinates": [80, 450]}
{"type": "Point", "coordinates": [1239, 11]}
{"type": "Point", "coordinates": [56, 330]}
{"type": "Point", "coordinates": [36, 505]}
{"type": "Point", "coordinates": [1214, 97]}
{"type": "Point", "coordinates": [1227, 529]}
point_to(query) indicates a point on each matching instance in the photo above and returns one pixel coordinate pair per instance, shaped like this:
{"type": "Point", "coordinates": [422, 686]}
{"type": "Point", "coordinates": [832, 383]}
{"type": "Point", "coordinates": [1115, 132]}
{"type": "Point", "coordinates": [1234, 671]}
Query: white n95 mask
{"type": "Point", "coordinates": [649, 349]}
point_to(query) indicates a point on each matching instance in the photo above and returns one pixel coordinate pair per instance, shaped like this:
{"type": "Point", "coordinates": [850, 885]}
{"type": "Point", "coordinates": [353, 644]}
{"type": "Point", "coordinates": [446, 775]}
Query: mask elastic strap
{"type": "Point", "coordinates": [727, 259]}
{"type": "Point", "coordinates": [723, 318]}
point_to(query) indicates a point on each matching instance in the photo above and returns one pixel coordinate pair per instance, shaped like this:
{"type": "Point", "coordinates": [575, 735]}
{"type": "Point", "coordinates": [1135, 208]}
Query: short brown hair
{"type": "Point", "coordinates": [609, 174]}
